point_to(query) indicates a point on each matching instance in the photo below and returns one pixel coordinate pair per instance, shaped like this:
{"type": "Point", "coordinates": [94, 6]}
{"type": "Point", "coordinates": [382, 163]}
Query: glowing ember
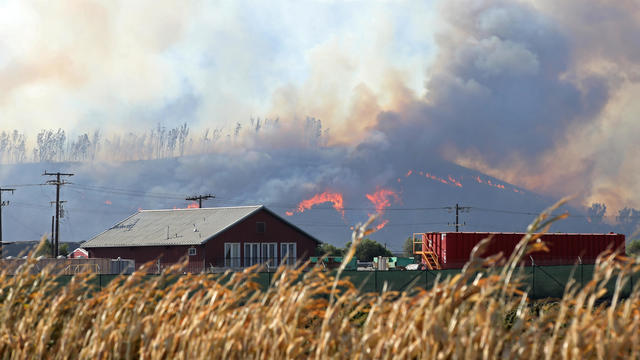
{"type": "Point", "coordinates": [108, 202]}
{"type": "Point", "coordinates": [433, 177]}
{"type": "Point", "coordinates": [289, 213]}
{"type": "Point", "coordinates": [332, 197]}
{"type": "Point", "coordinates": [409, 173]}
{"type": "Point", "coordinates": [381, 225]}
{"type": "Point", "coordinates": [381, 199]}
{"type": "Point", "coordinates": [490, 183]}
{"type": "Point", "coordinates": [193, 205]}
{"type": "Point", "coordinates": [454, 181]}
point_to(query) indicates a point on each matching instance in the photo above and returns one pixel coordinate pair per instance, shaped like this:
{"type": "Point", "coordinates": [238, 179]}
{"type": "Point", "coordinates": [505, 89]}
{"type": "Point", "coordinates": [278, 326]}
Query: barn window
{"type": "Point", "coordinates": [232, 254]}
{"type": "Point", "coordinates": [288, 253]}
{"type": "Point", "coordinates": [251, 254]}
{"type": "Point", "coordinates": [261, 227]}
{"type": "Point", "coordinates": [192, 251]}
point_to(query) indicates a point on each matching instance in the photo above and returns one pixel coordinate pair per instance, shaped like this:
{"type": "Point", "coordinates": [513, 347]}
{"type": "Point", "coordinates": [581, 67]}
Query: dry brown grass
{"type": "Point", "coordinates": [468, 316]}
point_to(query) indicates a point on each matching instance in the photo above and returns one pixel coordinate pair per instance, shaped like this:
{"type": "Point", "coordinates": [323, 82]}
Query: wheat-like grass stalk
{"type": "Point", "coordinates": [483, 312]}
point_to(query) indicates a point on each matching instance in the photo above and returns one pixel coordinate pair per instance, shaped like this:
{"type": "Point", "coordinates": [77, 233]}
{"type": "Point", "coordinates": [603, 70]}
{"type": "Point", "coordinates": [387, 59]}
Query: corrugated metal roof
{"type": "Point", "coordinates": [171, 227]}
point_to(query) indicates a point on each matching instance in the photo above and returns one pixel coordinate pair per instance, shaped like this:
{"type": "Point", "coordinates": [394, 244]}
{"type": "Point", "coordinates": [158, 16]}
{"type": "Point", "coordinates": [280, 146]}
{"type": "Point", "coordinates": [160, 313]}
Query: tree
{"type": "Point", "coordinates": [628, 219]}
{"type": "Point", "coordinates": [329, 250]}
{"type": "Point", "coordinates": [368, 249]}
{"type": "Point", "coordinates": [45, 250]}
{"type": "Point", "coordinates": [597, 212]}
{"type": "Point", "coordinates": [407, 247]}
{"type": "Point", "coordinates": [633, 248]}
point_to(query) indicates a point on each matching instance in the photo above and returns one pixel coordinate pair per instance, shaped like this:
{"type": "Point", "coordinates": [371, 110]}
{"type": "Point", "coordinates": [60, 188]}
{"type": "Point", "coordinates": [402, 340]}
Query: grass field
{"type": "Point", "coordinates": [470, 315]}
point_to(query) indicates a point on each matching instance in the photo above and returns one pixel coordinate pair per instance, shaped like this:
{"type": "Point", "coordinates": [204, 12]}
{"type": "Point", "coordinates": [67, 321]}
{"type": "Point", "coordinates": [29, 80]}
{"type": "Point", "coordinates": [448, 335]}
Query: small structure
{"type": "Point", "coordinates": [79, 253]}
{"type": "Point", "coordinates": [223, 237]}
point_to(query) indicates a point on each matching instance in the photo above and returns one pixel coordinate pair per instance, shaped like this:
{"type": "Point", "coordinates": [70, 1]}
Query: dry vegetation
{"type": "Point", "coordinates": [468, 316]}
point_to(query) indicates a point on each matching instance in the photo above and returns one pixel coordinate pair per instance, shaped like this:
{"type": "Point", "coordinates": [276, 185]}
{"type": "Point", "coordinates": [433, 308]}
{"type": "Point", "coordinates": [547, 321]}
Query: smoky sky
{"type": "Point", "coordinates": [497, 86]}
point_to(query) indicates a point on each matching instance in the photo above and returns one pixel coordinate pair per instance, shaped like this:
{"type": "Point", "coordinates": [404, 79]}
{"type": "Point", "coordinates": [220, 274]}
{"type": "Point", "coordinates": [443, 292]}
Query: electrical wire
{"type": "Point", "coordinates": [22, 185]}
{"type": "Point", "coordinates": [131, 193]}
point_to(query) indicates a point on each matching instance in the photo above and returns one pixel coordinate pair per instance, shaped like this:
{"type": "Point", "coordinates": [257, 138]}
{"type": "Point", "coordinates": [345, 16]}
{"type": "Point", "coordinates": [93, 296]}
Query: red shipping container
{"type": "Point", "coordinates": [454, 248]}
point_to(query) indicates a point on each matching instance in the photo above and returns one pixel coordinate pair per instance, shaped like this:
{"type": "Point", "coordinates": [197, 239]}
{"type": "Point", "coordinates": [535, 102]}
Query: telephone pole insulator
{"type": "Point", "coordinates": [458, 210]}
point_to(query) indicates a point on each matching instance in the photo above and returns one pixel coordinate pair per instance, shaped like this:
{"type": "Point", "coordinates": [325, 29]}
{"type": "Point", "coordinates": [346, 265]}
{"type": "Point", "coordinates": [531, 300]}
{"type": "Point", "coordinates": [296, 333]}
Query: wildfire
{"type": "Point", "coordinates": [450, 180]}
{"type": "Point", "coordinates": [454, 181]}
{"type": "Point", "coordinates": [332, 197]}
{"type": "Point", "coordinates": [193, 205]}
{"type": "Point", "coordinates": [381, 225]}
{"type": "Point", "coordinates": [381, 199]}
{"type": "Point", "coordinates": [433, 177]}
{"type": "Point", "coordinates": [490, 183]}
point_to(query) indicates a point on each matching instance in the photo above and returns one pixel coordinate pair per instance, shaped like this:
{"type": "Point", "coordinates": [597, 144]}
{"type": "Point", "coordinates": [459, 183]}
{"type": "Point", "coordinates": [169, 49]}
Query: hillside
{"type": "Point", "coordinates": [101, 194]}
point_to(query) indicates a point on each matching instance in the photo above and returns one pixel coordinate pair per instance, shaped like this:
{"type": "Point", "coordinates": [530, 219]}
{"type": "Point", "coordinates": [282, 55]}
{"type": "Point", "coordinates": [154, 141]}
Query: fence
{"type": "Point", "coordinates": [60, 266]}
{"type": "Point", "coordinates": [539, 281]}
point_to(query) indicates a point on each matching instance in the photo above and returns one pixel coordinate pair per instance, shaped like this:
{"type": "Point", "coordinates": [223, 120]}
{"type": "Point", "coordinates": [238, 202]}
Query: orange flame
{"type": "Point", "coordinates": [490, 183]}
{"type": "Point", "coordinates": [193, 205]}
{"type": "Point", "coordinates": [433, 177]}
{"type": "Point", "coordinates": [332, 197]}
{"type": "Point", "coordinates": [381, 199]}
{"type": "Point", "coordinates": [454, 181]}
{"type": "Point", "coordinates": [409, 173]}
{"type": "Point", "coordinates": [381, 225]}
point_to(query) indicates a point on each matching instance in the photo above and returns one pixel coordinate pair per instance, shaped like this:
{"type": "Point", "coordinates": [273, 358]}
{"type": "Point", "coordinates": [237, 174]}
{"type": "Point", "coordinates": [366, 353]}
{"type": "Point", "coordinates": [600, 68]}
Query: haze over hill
{"type": "Point", "coordinates": [101, 194]}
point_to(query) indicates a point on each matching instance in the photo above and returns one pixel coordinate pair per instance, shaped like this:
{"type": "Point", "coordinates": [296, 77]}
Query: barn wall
{"type": "Point", "coordinates": [276, 231]}
{"type": "Point", "coordinates": [144, 254]}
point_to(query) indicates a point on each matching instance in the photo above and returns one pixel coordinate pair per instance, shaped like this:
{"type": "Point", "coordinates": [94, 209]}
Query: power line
{"type": "Point", "coordinates": [23, 185]}
{"type": "Point", "coordinates": [127, 191]}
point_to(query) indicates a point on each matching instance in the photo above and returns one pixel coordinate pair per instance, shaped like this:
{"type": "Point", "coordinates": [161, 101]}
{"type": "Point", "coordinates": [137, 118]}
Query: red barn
{"type": "Point", "coordinates": [225, 237]}
{"type": "Point", "coordinates": [450, 250]}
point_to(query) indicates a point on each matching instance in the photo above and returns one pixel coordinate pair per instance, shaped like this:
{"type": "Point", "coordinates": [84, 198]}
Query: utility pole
{"type": "Point", "coordinates": [3, 204]}
{"type": "Point", "coordinates": [199, 198]}
{"type": "Point", "coordinates": [53, 222]}
{"type": "Point", "coordinates": [57, 182]}
{"type": "Point", "coordinates": [458, 210]}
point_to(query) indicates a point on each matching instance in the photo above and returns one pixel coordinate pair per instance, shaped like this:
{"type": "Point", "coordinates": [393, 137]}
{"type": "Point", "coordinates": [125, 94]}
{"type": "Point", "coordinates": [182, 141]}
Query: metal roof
{"type": "Point", "coordinates": [171, 227]}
